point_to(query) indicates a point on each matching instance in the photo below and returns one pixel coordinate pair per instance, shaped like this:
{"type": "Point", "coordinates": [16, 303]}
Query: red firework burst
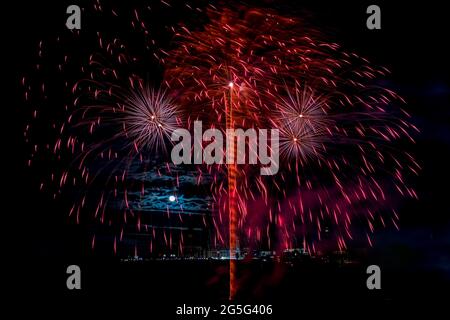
{"type": "Point", "coordinates": [341, 134]}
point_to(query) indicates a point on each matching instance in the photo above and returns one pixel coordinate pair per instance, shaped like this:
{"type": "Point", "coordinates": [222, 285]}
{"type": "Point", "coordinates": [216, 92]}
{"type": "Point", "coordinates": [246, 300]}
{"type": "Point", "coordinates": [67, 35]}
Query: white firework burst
{"type": "Point", "coordinates": [150, 117]}
{"type": "Point", "coordinates": [304, 125]}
